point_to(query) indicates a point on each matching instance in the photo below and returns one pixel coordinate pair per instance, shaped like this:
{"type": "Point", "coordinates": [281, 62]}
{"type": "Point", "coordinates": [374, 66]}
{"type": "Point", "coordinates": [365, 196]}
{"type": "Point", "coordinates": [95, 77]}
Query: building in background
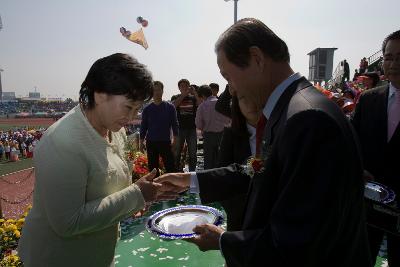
{"type": "Point", "coordinates": [321, 64]}
{"type": "Point", "coordinates": [8, 97]}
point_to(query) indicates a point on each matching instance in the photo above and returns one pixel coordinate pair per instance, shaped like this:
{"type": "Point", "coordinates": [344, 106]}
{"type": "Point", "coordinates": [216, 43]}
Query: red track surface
{"type": "Point", "coordinates": [18, 186]}
{"type": "Point", "coordinates": [28, 121]}
{"type": "Point", "coordinates": [16, 191]}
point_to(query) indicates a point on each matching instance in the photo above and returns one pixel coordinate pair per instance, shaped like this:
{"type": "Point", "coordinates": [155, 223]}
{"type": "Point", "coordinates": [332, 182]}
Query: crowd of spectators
{"type": "Point", "coordinates": [20, 143]}
{"type": "Point", "coordinates": [347, 92]}
{"type": "Point", "coordinates": [32, 107]}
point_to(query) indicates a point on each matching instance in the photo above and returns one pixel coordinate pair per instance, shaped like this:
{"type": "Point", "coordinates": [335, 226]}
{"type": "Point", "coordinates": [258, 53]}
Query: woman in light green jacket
{"type": "Point", "coordinates": [83, 181]}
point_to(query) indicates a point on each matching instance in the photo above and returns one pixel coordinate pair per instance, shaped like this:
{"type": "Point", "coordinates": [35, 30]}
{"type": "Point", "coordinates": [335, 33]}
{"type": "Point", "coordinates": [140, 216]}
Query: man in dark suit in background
{"type": "Point", "coordinates": [376, 120]}
{"type": "Point", "coordinates": [305, 208]}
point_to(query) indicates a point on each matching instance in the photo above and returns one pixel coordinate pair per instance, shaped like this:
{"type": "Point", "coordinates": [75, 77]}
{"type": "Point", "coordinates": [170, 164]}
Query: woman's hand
{"type": "Point", "coordinates": [154, 191]}
{"type": "Point", "coordinates": [141, 212]}
{"type": "Point", "coordinates": [177, 182]}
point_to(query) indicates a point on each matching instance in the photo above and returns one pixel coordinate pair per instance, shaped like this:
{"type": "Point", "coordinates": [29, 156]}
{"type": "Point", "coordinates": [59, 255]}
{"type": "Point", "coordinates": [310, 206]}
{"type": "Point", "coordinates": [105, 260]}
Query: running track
{"type": "Point", "coordinates": [16, 191]}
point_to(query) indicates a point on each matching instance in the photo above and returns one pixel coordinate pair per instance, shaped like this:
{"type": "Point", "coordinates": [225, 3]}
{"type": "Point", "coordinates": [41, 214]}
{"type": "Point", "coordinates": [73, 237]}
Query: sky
{"type": "Point", "coordinates": [51, 44]}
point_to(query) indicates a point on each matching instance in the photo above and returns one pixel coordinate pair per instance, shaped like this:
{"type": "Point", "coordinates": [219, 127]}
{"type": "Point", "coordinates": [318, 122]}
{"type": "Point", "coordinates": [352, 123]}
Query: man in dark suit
{"type": "Point", "coordinates": [305, 208]}
{"type": "Point", "coordinates": [376, 120]}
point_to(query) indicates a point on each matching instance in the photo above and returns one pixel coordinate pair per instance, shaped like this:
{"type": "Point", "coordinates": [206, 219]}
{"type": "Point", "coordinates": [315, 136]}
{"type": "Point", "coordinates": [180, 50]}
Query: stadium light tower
{"type": "Point", "coordinates": [235, 10]}
{"type": "Point", "coordinates": [1, 88]}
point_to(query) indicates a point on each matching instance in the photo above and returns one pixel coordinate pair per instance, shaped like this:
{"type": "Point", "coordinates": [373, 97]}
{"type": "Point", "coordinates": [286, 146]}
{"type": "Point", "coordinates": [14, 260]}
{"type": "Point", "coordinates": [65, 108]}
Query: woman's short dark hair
{"type": "Point", "coordinates": [117, 74]}
{"type": "Point", "coordinates": [204, 91]}
{"type": "Point", "coordinates": [374, 77]}
{"type": "Point", "coordinates": [237, 39]}
{"type": "Point", "coordinates": [393, 36]}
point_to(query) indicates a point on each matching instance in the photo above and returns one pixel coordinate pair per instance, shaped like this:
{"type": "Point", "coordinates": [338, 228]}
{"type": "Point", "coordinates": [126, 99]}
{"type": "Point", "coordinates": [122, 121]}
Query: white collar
{"type": "Point", "coordinates": [251, 129]}
{"type": "Point", "coordinates": [392, 90]}
{"type": "Point", "coordinates": [278, 91]}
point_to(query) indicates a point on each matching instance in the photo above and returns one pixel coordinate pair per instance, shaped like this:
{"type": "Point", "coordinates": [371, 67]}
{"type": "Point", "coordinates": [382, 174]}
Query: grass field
{"type": "Point", "coordinates": [12, 124]}
{"type": "Point", "coordinates": [9, 167]}
{"type": "Point", "coordinates": [6, 127]}
{"type": "Point", "coordinates": [31, 123]}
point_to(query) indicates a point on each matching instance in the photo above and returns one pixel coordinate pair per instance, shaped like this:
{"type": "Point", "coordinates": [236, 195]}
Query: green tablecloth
{"type": "Point", "coordinates": [138, 247]}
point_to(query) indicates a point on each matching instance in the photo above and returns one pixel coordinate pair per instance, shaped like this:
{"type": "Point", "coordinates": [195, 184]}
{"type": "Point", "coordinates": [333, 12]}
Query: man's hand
{"type": "Point", "coordinates": [208, 236]}
{"type": "Point", "coordinates": [155, 191]}
{"type": "Point", "coordinates": [176, 182]}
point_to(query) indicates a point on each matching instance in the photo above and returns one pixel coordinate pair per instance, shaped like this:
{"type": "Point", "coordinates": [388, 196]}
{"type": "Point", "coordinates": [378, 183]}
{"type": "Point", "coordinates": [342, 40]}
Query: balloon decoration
{"type": "Point", "coordinates": [138, 36]}
{"type": "Point", "coordinates": [142, 21]}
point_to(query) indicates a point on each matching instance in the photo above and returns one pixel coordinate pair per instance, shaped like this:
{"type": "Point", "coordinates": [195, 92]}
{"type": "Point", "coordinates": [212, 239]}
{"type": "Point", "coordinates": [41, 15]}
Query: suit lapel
{"type": "Point", "coordinates": [381, 111]}
{"type": "Point", "coordinates": [269, 130]}
{"type": "Point", "coordinates": [281, 105]}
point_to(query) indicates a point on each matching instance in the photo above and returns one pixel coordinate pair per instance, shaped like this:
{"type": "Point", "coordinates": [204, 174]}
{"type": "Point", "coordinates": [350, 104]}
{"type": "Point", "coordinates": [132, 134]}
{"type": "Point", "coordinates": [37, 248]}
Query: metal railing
{"type": "Point", "coordinates": [375, 57]}
{"type": "Point", "coordinates": [337, 75]}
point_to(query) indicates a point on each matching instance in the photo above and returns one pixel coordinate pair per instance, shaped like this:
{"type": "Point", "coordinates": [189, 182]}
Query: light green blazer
{"type": "Point", "coordinates": [82, 190]}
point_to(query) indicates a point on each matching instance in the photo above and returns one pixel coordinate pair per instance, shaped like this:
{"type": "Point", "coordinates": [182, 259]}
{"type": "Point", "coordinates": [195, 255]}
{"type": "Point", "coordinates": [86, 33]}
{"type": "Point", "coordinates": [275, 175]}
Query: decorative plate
{"type": "Point", "coordinates": [178, 222]}
{"type": "Point", "coordinates": [379, 192]}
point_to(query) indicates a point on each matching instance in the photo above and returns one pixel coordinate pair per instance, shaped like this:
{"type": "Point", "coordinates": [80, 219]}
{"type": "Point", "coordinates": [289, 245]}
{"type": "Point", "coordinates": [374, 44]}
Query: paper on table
{"type": "Point", "coordinates": [181, 223]}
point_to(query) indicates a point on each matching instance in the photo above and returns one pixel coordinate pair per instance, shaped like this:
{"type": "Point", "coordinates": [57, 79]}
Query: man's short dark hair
{"type": "Point", "coordinates": [236, 41]}
{"type": "Point", "coordinates": [214, 86]}
{"type": "Point", "coordinates": [117, 74]}
{"type": "Point", "coordinates": [183, 81]}
{"type": "Point", "coordinates": [160, 84]}
{"type": "Point", "coordinates": [374, 77]}
{"type": "Point", "coordinates": [204, 91]}
{"type": "Point", "coordinates": [393, 36]}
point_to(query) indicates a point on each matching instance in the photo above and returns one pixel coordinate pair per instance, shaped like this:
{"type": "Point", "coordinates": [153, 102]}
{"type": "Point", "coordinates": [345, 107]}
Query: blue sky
{"type": "Point", "coordinates": [51, 44]}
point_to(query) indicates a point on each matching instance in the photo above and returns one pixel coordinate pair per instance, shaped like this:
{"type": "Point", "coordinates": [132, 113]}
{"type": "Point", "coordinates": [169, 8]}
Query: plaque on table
{"type": "Point", "coordinates": [178, 222]}
{"type": "Point", "coordinates": [382, 208]}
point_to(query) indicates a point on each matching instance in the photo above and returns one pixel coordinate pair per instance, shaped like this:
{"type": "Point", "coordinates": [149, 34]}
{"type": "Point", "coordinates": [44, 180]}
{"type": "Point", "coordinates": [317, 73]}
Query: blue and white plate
{"type": "Point", "coordinates": [379, 192]}
{"type": "Point", "coordinates": [178, 222]}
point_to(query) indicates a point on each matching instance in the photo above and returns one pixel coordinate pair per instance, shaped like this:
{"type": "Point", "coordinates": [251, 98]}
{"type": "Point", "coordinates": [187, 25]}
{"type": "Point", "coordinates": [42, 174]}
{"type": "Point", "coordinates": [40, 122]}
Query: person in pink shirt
{"type": "Point", "coordinates": [212, 124]}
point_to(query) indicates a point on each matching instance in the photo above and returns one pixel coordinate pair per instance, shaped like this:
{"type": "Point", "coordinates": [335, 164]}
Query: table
{"type": "Point", "coordinates": [138, 247]}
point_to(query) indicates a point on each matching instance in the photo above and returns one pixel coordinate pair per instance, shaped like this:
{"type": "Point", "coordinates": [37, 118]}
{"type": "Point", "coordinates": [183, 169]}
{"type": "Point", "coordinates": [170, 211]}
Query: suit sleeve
{"type": "Point", "coordinates": [225, 154]}
{"type": "Point", "coordinates": [222, 183]}
{"type": "Point", "coordinates": [309, 204]}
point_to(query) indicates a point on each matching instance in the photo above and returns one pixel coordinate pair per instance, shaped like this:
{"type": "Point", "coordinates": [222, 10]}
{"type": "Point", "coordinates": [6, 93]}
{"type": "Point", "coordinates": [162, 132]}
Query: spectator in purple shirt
{"type": "Point", "coordinates": [158, 118]}
{"type": "Point", "coordinates": [212, 124]}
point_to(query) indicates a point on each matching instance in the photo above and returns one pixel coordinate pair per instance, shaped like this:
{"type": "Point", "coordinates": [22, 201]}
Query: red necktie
{"type": "Point", "coordinates": [259, 133]}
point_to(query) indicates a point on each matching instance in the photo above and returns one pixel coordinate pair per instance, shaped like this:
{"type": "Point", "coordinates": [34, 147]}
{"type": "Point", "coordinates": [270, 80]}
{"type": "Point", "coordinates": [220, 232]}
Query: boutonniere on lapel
{"type": "Point", "coordinates": [253, 166]}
